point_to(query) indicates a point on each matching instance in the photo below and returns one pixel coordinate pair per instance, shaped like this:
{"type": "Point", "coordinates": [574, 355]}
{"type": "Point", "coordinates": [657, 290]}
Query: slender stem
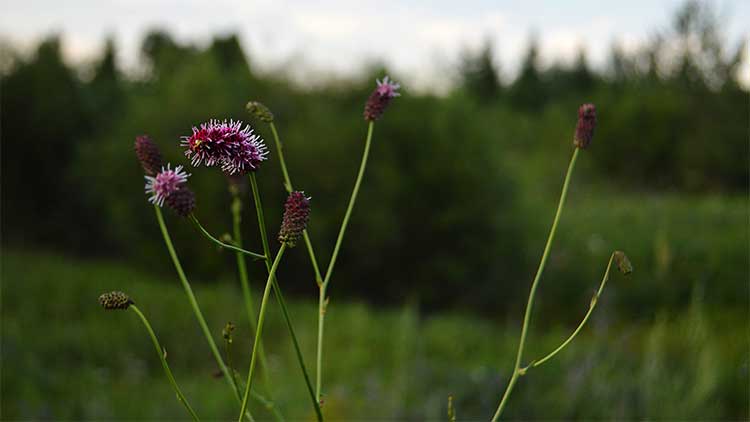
{"type": "Point", "coordinates": [160, 351]}
{"type": "Point", "coordinates": [534, 285]}
{"type": "Point", "coordinates": [289, 187]}
{"type": "Point", "coordinates": [254, 255]}
{"type": "Point", "coordinates": [194, 303]}
{"type": "Point", "coordinates": [259, 330]}
{"type": "Point", "coordinates": [280, 297]}
{"type": "Point", "coordinates": [322, 299]}
{"type": "Point", "coordinates": [246, 292]}
{"type": "Point", "coordinates": [592, 305]}
{"type": "Point", "coordinates": [228, 348]}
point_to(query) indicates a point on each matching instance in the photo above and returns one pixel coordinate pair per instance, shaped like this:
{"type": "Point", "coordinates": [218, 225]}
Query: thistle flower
{"type": "Point", "coordinates": [226, 145]}
{"type": "Point", "coordinates": [115, 300]}
{"type": "Point", "coordinates": [259, 111]}
{"type": "Point", "coordinates": [296, 215]}
{"type": "Point", "coordinates": [182, 201]}
{"type": "Point", "coordinates": [148, 154]}
{"type": "Point", "coordinates": [166, 182]}
{"type": "Point", "coordinates": [585, 126]}
{"type": "Point", "coordinates": [623, 263]}
{"type": "Point", "coordinates": [380, 98]}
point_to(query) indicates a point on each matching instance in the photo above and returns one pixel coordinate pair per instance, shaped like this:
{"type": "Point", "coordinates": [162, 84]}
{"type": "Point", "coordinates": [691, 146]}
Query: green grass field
{"type": "Point", "coordinates": [65, 358]}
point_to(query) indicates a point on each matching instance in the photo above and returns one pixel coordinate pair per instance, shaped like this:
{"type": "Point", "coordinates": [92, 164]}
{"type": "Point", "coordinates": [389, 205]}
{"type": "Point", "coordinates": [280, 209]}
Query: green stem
{"type": "Point", "coordinates": [534, 285]}
{"type": "Point", "coordinates": [238, 249]}
{"type": "Point", "coordinates": [280, 296]}
{"type": "Point", "coordinates": [194, 305]}
{"type": "Point", "coordinates": [160, 351]}
{"type": "Point", "coordinates": [322, 300]}
{"type": "Point", "coordinates": [259, 330]}
{"type": "Point", "coordinates": [246, 292]}
{"type": "Point", "coordinates": [592, 305]}
{"type": "Point", "coordinates": [289, 187]}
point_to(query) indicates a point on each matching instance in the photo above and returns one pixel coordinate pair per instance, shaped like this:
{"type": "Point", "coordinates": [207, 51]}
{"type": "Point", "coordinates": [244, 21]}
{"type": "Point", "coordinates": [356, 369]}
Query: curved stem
{"type": "Point", "coordinates": [205, 233]}
{"type": "Point", "coordinates": [592, 305]}
{"type": "Point", "coordinates": [246, 293]}
{"type": "Point", "coordinates": [534, 285]}
{"type": "Point", "coordinates": [322, 299]}
{"type": "Point", "coordinates": [288, 186]}
{"type": "Point", "coordinates": [160, 351]}
{"type": "Point", "coordinates": [280, 296]}
{"type": "Point", "coordinates": [259, 330]}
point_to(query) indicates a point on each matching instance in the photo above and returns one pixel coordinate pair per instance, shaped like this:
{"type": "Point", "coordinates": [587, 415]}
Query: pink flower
{"type": "Point", "coordinates": [165, 183]}
{"type": "Point", "coordinates": [380, 98]}
{"type": "Point", "coordinates": [226, 145]}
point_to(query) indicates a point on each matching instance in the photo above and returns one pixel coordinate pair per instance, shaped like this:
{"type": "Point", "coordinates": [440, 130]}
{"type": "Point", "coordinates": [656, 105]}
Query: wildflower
{"type": "Point", "coordinates": [166, 182]}
{"type": "Point", "coordinates": [623, 263]}
{"type": "Point", "coordinates": [182, 201]}
{"type": "Point", "coordinates": [296, 215]}
{"type": "Point", "coordinates": [148, 154]}
{"type": "Point", "coordinates": [380, 98]}
{"type": "Point", "coordinates": [226, 145]}
{"type": "Point", "coordinates": [585, 126]}
{"type": "Point", "coordinates": [260, 111]}
{"type": "Point", "coordinates": [115, 300]}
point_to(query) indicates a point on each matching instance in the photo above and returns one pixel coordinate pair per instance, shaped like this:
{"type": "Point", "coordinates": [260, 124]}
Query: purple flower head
{"type": "Point", "coordinates": [296, 215]}
{"type": "Point", "coordinates": [148, 154]}
{"type": "Point", "coordinates": [585, 126]}
{"type": "Point", "coordinates": [165, 183]}
{"type": "Point", "coordinates": [182, 201]}
{"type": "Point", "coordinates": [380, 98]}
{"type": "Point", "coordinates": [226, 145]}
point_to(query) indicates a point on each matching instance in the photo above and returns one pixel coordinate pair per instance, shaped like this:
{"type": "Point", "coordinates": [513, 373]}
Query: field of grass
{"type": "Point", "coordinates": [65, 358]}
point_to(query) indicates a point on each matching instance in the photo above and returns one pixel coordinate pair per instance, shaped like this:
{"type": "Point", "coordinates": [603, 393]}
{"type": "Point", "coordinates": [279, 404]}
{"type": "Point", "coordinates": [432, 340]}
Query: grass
{"type": "Point", "coordinates": [65, 358]}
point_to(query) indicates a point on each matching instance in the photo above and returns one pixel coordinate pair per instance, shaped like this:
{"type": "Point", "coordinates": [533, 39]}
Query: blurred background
{"type": "Point", "coordinates": [464, 176]}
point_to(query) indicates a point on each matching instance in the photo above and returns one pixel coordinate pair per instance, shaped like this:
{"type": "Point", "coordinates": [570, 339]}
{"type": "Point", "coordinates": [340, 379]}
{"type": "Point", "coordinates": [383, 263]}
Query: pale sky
{"type": "Point", "coordinates": [419, 40]}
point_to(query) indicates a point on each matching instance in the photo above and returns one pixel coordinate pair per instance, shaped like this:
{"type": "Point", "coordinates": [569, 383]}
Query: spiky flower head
{"type": "Point", "coordinates": [115, 300]}
{"type": "Point", "coordinates": [259, 111]}
{"type": "Point", "coordinates": [165, 183]}
{"type": "Point", "coordinates": [182, 201]}
{"type": "Point", "coordinates": [296, 216]}
{"type": "Point", "coordinates": [148, 154]}
{"type": "Point", "coordinates": [623, 263]}
{"type": "Point", "coordinates": [236, 150]}
{"type": "Point", "coordinates": [585, 126]}
{"type": "Point", "coordinates": [380, 98]}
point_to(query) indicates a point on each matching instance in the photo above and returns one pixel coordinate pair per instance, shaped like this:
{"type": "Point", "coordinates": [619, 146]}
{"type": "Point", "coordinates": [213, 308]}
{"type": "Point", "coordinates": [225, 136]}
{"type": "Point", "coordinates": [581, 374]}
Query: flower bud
{"type": "Point", "coordinates": [227, 332]}
{"type": "Point", "coordinates": [380, 99]}
{"type": "Point", "coordinates": [259, 111]}
{"type": "Point", "coordinates": [623, 263]}
{"type": "Point", "coordinates": [148, 154]}
{"type": "Point", "coordinates": [115, 300]}
{"type": "Point", "coordinates": [182, 201]}
{"type": "Point", "coordinates": [585, 126]}
{"type": "Point", "coordinates": [296, 216]}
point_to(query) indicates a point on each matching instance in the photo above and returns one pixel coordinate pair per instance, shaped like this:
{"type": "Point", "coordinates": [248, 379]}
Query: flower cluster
{"type": "Point", "coordinates": [380, 98]}
{"type": "Point", "coordinates": [259, 111]}
{"type": "Point", "coordinates": [296, 215]}
{"type": "Point", "coordinates": [585, 126]}
{"type": "Point", "coordinates": [115, 300]}
{"type": "Point", "coordinates": [148, 154]}
{"type": "Point", "coordinates": [165, 184]}
{"type": "Point", "coordinates": [225, 144]}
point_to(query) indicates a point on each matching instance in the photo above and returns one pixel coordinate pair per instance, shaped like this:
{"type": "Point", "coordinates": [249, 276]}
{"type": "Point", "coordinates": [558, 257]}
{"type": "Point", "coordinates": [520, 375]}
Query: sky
{"type": "Point", "coordinates": [419, 40]}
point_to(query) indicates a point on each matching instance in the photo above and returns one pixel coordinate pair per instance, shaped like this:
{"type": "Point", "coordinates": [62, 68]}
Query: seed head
{"type": "Point", "coordinates": [623, 263]}
{"type": "Point", "coordinates": [296, 215]}
{"type": "Point", "coordinates": [115, 300]}
{"type": "Point", "coordinates": [585, 126]}
{"type": "Point", "coordinates": [148, 154]}
{"type": "Point", "coordinates": [227, 331]}
{"type": "Point", "coordinates": [259, 111]}
{"type": "Point", "coordinates": [166, 182]}
{"type": "Point", "coordinates": [380, 98]}
{"type": "Point", "coordinates": [226, 145]}
{"type": "Point", "coordinates": [182, 201]}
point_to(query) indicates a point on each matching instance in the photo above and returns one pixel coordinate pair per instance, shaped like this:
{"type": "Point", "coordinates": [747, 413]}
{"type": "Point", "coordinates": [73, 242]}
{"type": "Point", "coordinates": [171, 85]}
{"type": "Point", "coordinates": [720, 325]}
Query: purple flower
{"type": "Point", "coordinates": [148, 154]}
{"type": "Point", "coordinates": [380, 98]}
{"type": "Point", "coordinates": [182, 201]}
{"type": "Point", "coordinates": [165, 183]}
{"type": "Point", "coordinates": [585, 126]}
{"type": "Point", "coordinates": [296, 215]}
{"type": "Point", "coordinates": [226, 145]}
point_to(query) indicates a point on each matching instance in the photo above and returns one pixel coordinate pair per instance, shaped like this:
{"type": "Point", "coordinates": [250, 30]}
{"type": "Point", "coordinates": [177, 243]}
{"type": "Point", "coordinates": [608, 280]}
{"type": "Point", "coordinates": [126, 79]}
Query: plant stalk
{"type": "Point", "coordinates": [237, 248]}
